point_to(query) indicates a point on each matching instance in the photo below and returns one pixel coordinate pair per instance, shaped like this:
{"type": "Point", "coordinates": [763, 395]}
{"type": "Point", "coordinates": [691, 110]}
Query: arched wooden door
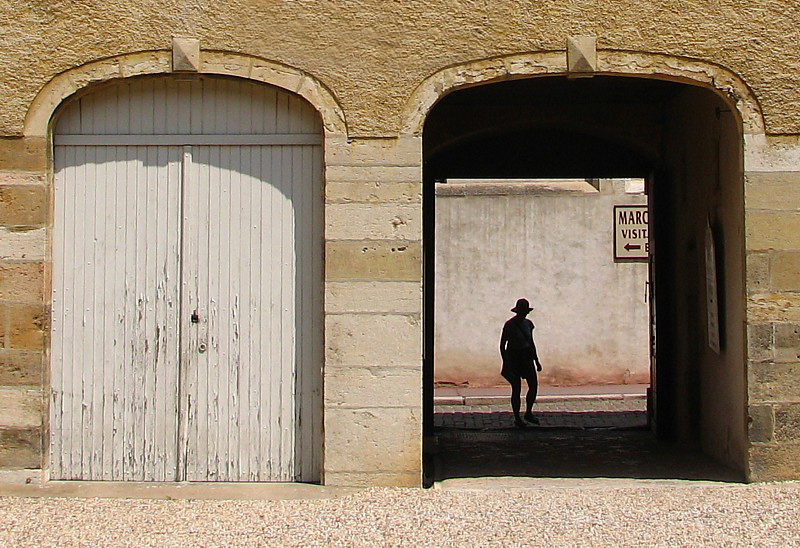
{"type": "Point", "coordinates": [187, 284]}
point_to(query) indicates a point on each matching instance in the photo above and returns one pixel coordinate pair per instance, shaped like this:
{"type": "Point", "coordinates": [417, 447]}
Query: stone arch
{"type": "Point", "coordinates": [621, 63]}
{"type": "Point", "coordinates": [67, 84]}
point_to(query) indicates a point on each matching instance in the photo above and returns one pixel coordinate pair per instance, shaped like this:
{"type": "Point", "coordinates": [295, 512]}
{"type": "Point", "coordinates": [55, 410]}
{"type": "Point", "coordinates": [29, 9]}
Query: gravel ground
{"type": "Point", "coordinates": [579, 515]}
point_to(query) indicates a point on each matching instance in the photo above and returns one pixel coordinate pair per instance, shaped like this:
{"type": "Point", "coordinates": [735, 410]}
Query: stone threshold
{"type": "Point", "coordinates": [168, 491]}
{"type": "Point", "coordinates": [494, 395]}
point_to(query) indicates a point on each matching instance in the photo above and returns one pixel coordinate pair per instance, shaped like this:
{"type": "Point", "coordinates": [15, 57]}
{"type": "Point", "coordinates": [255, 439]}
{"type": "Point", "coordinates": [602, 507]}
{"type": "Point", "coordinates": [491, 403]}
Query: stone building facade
{"type": "Point", "coordinates": [374, 71]}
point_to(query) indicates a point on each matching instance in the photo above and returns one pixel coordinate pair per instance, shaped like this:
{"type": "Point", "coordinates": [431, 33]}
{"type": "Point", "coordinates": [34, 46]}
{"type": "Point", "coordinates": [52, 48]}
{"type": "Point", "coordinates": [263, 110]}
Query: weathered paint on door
{"type": "Point", "coordinates": [187, 285]}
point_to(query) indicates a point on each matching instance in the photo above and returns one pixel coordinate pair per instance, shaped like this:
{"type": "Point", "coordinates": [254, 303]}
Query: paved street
{"type": "Point", "coordinates": [575, 438]}
{"type": "Point", "coordinates": [555, 412]}
{"type": "Point", "coordinates": [591, 474]}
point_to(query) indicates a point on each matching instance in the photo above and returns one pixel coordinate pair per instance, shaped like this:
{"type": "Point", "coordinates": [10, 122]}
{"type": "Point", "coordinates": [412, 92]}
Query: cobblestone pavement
{"type": "Point", "coordinates": [578, 414]}
{"type": "Point", "coordinates": [575, 438]}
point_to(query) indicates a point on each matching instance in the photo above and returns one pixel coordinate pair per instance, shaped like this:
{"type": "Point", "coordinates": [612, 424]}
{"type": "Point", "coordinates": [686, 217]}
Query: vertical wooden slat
{"type": "Point", "coordinates": [245, 332]}
{"type": "Point", "coordinates": [78, 299]}
{"type": "Point", "coordinates": [318, 325]}
{"type": "Point", "coordinates": [216, 314]}
{"type": "Point", "coordinates": [288, 333]}
{"type": "Point", "coordinates": [268, 191]}
{"type": "Point", "coordinates": [172, 368]}
{"type": "Point", "coordinates": [106, 214]}
{"type": "Point", "coordinates": [160, 179]}
{"type": "Point", "coordinates": [129, 314]}
{"type": "Point", "coordinates": [188, 331]}
{"type": "Point", "coordinates": [206, 200]}
{"type": "Point", "coordinates": [254, 330]}
{"type": "Point", "coordinates": [303, 453]}
{"type": "Point", "coordinates": [276, 268]}
{"type": "Point", "coordinates": [58, 317]}
{"type": "Point", "coordinates": [234, 296]}
{"type": "Point", "coordinates": [120, 285]}
{"type": "Point", "coordinates": [300, 189]}
{"type": "Point", "coordinates": [96, 314]}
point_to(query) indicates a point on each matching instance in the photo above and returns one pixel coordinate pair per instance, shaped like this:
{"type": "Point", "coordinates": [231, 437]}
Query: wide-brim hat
{"type": "Point", "coordinates": [522, 306]}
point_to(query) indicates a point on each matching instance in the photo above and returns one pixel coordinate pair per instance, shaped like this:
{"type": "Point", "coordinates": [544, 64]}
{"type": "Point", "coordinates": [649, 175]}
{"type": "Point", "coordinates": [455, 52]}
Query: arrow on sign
{"type": "Point", "coordinates": [628, 247]}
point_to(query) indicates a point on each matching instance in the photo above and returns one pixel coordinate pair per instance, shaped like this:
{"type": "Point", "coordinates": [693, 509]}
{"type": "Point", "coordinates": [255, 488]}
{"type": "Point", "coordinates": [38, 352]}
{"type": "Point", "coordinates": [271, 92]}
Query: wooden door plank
{"type": "Point", "coordinates": [255, 359]}
{"type": "Point", "coordinates": [77, 282]}
{"type": "Point", "coordinates": [188, 331]}
{"type": "Point", "coordinates": [288, 387]}
{"type": "Point", "coordinates": [59, 317]}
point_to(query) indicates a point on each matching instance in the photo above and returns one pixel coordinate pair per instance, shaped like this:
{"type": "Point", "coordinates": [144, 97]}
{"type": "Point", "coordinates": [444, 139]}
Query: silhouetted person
{"type": "Point", "coordinates": [519, 355]}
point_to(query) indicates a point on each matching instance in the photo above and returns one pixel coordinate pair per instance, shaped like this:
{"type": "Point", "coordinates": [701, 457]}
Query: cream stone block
{"type": "Point", "coordinates": [400, 151]}
{"type": "Point", "coordinates": [332, 113]}
{"type": "Point", "coordinates": [373, 339]}
{"type": "Point", "coordinates": [300, 83]}
{"type": "Point", "coordinates": [223, 63]}
{"type": "Point", "coordinates": [373, 174]}
{"type": "Point", "coordinates": [24, 476]}
{"type": "Point", "coordinates": [783, 307]}
{"type": "Point", "coordinates": [784, 274]}
{"type": "Point", "coordinates": [758, 272]}
{"type": "Point", "coordinates": [25, 154]}
{"type": "Point", "coordinates": [762, 153]}
{"type": "Point", "coordinates": [22, 244]}
{"type": "Point", "coordinates": [373, 222]}
{"type": "Point", "coordinates": [185, 54]}
{"type": "Point", "coordinates": [360, 387]}
{"type": "Point", "coordinates": [771, 462]}
{"type": "Point", "coordinates": [20, 408]}
{"type": "Point", "coordinates": [387, 297]}
{"type": "Point", "coordinates": [543, 63]}
{"type": "Point", "coordinates": [63, 86]}
{"type": "Point", "coordinates": [373, 440]}
{"type": "Point", "coordinates": [777, 191]}
{"type": "Point", "coordinates": [20, 367]}
{"type": "Point", "coordinates": [370, 260]}
{"type": "Point", "coordinates": [157, 62]}
{"type": "Point", "coordinates": [787, 342]}
{"type": "Point", "coordinates": [373, 193]}
{"type": "Point", "coordinates": [22, 281]}
{"type": "Point", "coordinates": [760, 342]}
{"type": "Point", "coordinates": [22, 178]}
{"type": "Point", "coordinates": [284, 77]}
{"type": "Point", "coordinates": [771, 382]}
{"type": "Point", "coordinates": [374, 479]}
{"type": "Point", "coordinates": [20, 448]}
{"type": "Point", "coordinates": [582, 54]}
{"type": "Point", "coordinates": [778, 230]}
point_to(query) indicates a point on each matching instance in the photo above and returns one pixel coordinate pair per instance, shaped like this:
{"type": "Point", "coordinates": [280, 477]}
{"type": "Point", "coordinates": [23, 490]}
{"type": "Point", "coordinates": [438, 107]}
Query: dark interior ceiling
{"type": "Point", "coordinates": [562, 90]}
{"type": "Point", "coordinates": [548, 127]}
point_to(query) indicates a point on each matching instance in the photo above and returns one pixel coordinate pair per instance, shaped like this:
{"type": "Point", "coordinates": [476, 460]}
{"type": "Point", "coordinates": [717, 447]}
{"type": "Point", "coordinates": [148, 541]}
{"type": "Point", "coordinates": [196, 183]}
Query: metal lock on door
{"type": "Point", "coordinates": [202, 347]}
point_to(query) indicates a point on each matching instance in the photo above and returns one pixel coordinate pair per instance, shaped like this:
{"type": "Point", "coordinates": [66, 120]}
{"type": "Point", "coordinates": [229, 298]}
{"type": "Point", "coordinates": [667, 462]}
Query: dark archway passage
{"type": "Point", "coordinates": [686, 141]}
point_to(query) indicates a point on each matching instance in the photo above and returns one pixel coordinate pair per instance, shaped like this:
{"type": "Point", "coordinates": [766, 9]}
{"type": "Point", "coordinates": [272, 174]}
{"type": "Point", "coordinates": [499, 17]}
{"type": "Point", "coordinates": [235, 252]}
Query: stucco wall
{"type": "Point", "coordinates": [554, 248]}
{"type": "Point", "coordinates": [372, 54]}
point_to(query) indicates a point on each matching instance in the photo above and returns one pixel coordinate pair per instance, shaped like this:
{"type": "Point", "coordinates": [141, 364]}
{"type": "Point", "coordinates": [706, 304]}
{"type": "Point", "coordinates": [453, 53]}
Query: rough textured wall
{"type": "Point", "coordinates": [554, 249]}
{"type": "Point", "coordinates": [373, 53]}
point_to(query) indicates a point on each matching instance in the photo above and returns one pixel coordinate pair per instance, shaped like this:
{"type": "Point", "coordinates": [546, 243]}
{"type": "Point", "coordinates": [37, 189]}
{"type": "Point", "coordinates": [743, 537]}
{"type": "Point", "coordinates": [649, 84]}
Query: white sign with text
{"type": "Point", "coordinates": [631, 238]}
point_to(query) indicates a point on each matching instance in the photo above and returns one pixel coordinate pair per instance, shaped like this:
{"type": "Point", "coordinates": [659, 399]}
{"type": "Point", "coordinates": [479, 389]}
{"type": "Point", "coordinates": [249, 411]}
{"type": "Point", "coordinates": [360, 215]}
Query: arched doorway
{"type": "Point", "coordinates": [686, 141]}
{"type": "Point", "coordinates": [187, 283]}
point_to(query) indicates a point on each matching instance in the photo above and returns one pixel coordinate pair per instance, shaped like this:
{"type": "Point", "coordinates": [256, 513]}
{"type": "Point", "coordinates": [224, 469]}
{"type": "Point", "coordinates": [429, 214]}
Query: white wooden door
{"type": "Point", "coordinates": [249, 263]}
{"type": "Point", "coordinates": [187, 285]}
{"type": "Point", "coordinates": [115, 308]}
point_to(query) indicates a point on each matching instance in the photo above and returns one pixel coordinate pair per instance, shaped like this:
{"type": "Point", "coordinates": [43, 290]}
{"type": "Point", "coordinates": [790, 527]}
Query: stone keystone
{"type": "Point", "coordinates": [185, 54]}
{"type": "Point", "coordinates": [581, 55]}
